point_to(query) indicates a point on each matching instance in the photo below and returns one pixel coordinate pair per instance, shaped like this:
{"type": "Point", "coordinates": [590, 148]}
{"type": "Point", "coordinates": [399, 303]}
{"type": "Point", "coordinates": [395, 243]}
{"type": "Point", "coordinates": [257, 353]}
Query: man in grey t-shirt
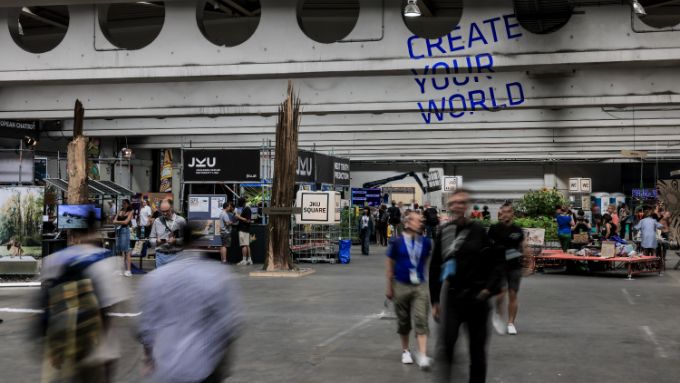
{"type": "Point", "coordinates": [227, 219]}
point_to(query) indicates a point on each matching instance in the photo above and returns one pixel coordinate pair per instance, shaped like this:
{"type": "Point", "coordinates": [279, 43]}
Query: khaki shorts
{"type": "Point", "coordinates": [411, 302]}
{"type": "Point", "coordinates": [243, 238]}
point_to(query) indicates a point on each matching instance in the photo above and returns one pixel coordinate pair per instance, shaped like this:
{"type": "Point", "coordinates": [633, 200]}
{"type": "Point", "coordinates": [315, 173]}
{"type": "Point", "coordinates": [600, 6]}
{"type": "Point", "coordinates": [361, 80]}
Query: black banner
{"type": "Point", "coordinates": [331, 170]}
{"type": "Point", "coordinates": [341, 171]}
{"type": "Point", "coordinates": [18, 129]}
{"type": "Point", "coordinates": [215, 165]}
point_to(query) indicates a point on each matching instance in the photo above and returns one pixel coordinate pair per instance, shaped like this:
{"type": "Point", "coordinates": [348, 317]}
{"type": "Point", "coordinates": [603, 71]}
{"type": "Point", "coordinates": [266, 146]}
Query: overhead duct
{"type": "Point", "coordinates": [543, 16]}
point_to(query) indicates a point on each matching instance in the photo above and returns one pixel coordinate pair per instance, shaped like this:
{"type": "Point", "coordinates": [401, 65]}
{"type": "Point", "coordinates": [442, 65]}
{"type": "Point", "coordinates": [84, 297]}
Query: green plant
{"type": "Point", "coordinates": [547, 223]}
{"type": "Point", "coordinates": [541, 203]}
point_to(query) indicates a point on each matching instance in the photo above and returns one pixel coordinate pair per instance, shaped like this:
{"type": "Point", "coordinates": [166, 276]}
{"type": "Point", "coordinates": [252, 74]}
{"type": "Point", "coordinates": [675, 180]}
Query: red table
{"type": "Point", "coordinates": [649, 264]}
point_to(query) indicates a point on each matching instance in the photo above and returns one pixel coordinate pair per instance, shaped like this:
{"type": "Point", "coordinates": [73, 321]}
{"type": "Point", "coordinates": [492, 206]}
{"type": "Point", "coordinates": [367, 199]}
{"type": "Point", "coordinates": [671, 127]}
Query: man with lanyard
{"type": "Point", "coordinates": [166, 234]}
{"type": "Point", "coordinates": [465, 272]}
{"type": "Point", "coordinates": [407, 256]}
{"type": "Point", "coordinates": [509, 239]}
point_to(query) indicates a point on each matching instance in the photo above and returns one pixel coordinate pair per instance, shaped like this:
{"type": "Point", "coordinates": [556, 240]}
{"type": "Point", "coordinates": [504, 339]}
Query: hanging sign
{"type": "Point", "coordinates": [452, 183]}
{"type": "Point", "coordinates": [215, 165]}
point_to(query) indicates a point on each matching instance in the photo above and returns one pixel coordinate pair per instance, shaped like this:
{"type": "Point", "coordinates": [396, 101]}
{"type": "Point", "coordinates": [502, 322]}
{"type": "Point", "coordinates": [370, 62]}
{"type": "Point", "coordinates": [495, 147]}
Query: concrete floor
{"type": "Point", "coordinates": [324, 328]}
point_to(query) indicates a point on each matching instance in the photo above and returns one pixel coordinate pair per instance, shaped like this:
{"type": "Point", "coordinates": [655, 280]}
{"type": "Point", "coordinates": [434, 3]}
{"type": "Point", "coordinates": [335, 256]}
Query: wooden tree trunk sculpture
{"type": "Point", "coordinates": [283, 188]}
{"type": "Point", "coordinates": [77, 164]}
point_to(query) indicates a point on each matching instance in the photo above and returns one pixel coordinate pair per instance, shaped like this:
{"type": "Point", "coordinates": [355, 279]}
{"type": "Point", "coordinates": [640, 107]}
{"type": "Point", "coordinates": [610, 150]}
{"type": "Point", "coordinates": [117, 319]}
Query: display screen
{"type": "Point", "coordinates": [644, 193]}
{"type": "Point", "coordinates": [366, 197]}
{"type": "Point", "coordinates": [75, 216]}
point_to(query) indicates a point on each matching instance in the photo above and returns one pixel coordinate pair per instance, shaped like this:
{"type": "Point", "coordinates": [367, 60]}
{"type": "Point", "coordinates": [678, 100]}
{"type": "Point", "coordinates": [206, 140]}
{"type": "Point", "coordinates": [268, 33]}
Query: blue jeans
{"type": "Point", "coordinates": [164, 258]}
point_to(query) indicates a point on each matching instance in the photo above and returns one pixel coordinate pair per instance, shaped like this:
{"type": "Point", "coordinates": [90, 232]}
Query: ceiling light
{"type": "Point", "coordinates": [126, 153]}
{"type": "Point", "coordinates": [20, 29]}
{"type": "Point", "coordinates": [638, 8]}
{"type": "Point", "coordinates": [30, 142]}
{"type": "Point", "coordinates": [412, 9]}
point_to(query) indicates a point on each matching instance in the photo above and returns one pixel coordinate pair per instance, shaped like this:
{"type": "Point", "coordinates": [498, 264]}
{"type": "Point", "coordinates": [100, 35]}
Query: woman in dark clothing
{"type": "Point", "coordinates": [608, 228]}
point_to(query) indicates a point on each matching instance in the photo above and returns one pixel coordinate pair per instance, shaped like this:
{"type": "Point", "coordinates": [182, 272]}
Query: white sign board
{"type": "Point", "coordinates": [580, 185]}
{"type": "Point", "coordinates": [452, 183]}
{"type": "Point", "coordinates": [574, 185]}
{"type": "Point", "coordinates": [321, 208]}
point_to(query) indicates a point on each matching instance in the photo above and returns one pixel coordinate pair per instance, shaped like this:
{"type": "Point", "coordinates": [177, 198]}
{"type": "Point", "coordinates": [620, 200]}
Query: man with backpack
{"type": "Point", "coordinates": [80, 286]}
{"type": "Point", "coordinates": [394, 214]}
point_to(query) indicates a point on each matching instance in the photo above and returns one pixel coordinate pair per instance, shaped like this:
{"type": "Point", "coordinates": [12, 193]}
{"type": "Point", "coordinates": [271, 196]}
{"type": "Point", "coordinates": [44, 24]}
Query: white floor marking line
{"type": "Point", "coordinates": [35, 311]}
{"type": "Point", "coordinates": [20, 284]}
{"type": "Point", "coordinates": [628, 297]}
{"type": "Point", "coordinates": [652, 338]}
{"type": "Point", "coordinates": [22, 311]}
{"type": "Point", "coordinates": [347, 331]}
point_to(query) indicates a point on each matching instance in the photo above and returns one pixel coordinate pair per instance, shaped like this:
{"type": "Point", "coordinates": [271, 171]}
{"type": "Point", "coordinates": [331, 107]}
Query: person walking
{"type": "Point", "coordinates": [407, 257]}
{"type": "Point", "coordinates": [191, 316]}
{"type": "Point", "coordinates": [227, 220]}
{"type": "Point", "coordinates": [381, 226]}
{"type": "Point", "coordinates": [431, 219]}
{"type": "Point", "coordinates": [565, 222]}
{"type": "Point", "coordinates": [486, 215]}
{"type": "Point", "coordinates": [509, 239]}
{"type": "Point", "coordinates": [80, 287]}
{"type": "Point", "coordinates": [123, 222]}
{"type": "Point", "coordinates": [244, 219]}
{"type": "Point", "coordinates": [394, 214]}
{"type": "Point", "coordinates": [465, 272]}
{"type": "Point", "coordinates": [166, 234]}
{"type": "Point", "coordinates": [365, 227]}
{"type": "Point", "coordinates": [145, 219]}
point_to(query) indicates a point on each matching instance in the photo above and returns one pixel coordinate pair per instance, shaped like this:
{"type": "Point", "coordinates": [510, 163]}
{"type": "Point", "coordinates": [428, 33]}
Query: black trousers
{"type": "Point", "coordinates": [365, 240]}
{"type": "Point", "coordinates": [462, 308]}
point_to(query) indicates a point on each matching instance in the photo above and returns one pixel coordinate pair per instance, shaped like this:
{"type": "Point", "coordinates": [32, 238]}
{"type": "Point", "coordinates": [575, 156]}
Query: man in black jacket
{"type": "Point", "coordinates": [465, 272]}
{"type": "Point", "coordinates": [394, 214]}
{"type": "Point", "coordinates": [431, 219]}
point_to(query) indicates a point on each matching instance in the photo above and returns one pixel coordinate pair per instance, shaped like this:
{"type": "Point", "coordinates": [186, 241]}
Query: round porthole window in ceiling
{"type": "Point", "coordinates": [132, 25]}
{"type": "Point", "coordinates": [38, 29]}
{"type": "Point", "coordinates": [327, 21]}
{"type": "Point", "coordinates": [228, 22]}
{"type": "Point", "coordinates": [431, 19]}
{"type": "Point", "coordinates": [658, 14]}
{"type": "Point", "coordinates": [543, 16]}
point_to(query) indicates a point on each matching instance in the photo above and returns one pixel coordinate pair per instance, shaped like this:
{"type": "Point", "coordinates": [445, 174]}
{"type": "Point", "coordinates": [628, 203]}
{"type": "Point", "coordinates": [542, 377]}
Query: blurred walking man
{"type": "Point", "coordinates": [464, 274]}
{"type": "Point", "coordinates": [191, 314]}
{"type": "Point", "coordinates": [407, 257]}
{"type": "Point", "coordinates": [508, 238]}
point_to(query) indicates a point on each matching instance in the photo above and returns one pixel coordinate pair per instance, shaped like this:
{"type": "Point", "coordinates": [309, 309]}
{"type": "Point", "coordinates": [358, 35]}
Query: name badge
{"type": "Point", "coordinates": [414, 277]}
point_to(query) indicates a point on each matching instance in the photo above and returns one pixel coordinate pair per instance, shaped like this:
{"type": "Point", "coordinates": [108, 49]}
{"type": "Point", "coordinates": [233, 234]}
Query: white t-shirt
{"type": "Point", "coordinates": [144, 215]}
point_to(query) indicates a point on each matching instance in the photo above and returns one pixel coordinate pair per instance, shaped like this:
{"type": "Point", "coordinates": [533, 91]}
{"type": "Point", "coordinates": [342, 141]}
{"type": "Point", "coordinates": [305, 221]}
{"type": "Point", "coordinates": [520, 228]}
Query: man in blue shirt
{"type": "Point", "coordinates": [407, 256]}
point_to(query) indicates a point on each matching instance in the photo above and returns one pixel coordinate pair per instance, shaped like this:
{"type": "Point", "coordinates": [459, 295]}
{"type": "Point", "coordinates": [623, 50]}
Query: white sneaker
{"type": "Point", "coordinates": [249, 262]}
{"type": "Point", "coordinates": [127, 273]}
{"type": "Point", "coordinates": [242, 263]}
{"type": "Point", "coordinates": [498, 323]}
{"type": "Point", "coordinates": [406, 357]}
{"type": "Point", "coordinates": [424, 362]}
{"type": "Point", "coordinates": [511, 329]}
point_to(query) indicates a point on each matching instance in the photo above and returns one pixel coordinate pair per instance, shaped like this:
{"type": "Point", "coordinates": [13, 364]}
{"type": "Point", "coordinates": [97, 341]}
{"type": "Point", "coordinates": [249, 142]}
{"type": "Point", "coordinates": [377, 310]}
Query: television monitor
{"type": "Point", "coordinates": [366, 197]}
{"type": "Point", "coordinates": [75, 216]}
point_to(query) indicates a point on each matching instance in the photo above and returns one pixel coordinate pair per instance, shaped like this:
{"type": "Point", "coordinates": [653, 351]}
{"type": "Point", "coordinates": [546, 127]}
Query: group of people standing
{"type": "Point", "coordinates": [619, 222]}
{"type": "Point", "coordinates": [388, 222]}
{"type": "Point", "coordinates": [461, 276]}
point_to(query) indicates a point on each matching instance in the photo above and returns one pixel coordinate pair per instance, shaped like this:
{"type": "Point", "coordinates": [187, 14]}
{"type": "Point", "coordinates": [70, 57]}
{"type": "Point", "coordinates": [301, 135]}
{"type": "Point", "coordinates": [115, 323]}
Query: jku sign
{"type": "Point", "coordinates": [203, 163]}
{"type": "Point", "coordinates": [215, 165]}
